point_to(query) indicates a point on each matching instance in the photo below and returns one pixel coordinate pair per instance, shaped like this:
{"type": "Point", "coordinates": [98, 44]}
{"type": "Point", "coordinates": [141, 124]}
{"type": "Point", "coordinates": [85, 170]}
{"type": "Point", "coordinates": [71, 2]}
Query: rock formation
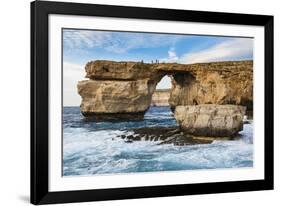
{"type": "Point", "coordinates": [169, 135]}
{"type": "Point", "coordinates": [203, 83]}
{"type": "Point", "coordinates": [104, 99]}
{"type": "Point", "coordinates": [161, 97]}
{"type": "Point", "coordinates": [124, 89]}
{"type": "Point", "coordinates": [118, 71]}
{"type": "Point", "coordinates": [214, 83]}
{"type": "Point", "coordinates": [210, 120]}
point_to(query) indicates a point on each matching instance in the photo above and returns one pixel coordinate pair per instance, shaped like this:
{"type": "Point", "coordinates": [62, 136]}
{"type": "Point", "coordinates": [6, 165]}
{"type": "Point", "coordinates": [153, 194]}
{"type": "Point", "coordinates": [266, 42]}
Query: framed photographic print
{"type": "Point", "coordinates": [131, 102]}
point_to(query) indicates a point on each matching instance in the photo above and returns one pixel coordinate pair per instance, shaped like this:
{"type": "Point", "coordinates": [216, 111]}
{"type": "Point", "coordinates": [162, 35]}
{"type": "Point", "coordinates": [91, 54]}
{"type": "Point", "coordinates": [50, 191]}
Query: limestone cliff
{"type": "Point", "coordinates": [161, 97]}
{"type": "Point", "coordinates": [213, 83]}
{"type": "Point", "coordinates": [119, 99]}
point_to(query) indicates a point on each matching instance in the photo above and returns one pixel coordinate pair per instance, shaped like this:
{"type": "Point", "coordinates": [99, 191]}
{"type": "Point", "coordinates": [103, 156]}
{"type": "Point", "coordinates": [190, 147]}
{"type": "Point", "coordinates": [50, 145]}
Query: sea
{"type": "Point", "coordinates": [92, 148]}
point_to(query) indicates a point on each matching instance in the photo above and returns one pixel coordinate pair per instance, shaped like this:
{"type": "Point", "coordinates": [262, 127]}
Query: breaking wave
{"type": "Point", "coordinates": [94, 148]}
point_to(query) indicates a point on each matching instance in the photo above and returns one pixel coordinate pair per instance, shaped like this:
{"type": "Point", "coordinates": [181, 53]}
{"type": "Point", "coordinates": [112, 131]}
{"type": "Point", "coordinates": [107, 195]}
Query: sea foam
{"type": "Point", "coordinates": [94, 148]}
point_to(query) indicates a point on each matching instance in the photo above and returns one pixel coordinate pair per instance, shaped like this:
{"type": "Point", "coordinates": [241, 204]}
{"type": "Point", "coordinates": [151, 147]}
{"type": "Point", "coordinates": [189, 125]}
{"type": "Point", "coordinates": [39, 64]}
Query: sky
{"type": "Point", "coordinates": [82, 46]}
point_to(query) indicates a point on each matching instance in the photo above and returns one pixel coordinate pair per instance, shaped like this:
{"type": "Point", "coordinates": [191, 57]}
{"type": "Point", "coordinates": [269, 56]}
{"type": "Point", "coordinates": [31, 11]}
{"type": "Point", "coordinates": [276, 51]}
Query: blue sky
{"type": "Point", "coordinates": [81, 46]}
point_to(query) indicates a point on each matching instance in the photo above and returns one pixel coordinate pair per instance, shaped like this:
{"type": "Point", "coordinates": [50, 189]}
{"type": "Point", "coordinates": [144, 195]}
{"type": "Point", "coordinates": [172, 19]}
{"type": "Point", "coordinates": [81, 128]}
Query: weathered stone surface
{"type": "Point", "coordinates": [161, 97]}
{"type": "Point", "coordinates": [210, 120]}
{"type": "Point", "coordinates": [228, 82]}
{"type": "Point", "coordinates": [214, 83]}
{"type": "Point", "coordinates": [115, 99]}
{"type": "Point", "coordinates": [111, 70]}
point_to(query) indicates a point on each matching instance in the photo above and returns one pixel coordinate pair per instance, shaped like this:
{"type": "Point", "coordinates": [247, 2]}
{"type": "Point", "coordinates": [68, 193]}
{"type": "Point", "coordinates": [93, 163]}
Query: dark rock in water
{"type": "Point", "coordinates": [117, 117]}
{"type": "Point", "coordinates": [168, 135]}
{"type": "Point", "coordinates": [248, 117]}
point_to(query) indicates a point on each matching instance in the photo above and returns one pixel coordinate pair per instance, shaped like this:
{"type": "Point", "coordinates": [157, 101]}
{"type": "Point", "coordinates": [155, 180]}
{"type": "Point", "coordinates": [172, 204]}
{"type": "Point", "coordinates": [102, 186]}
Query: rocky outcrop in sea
{"type": "Point", "coordinates": [207, 98]}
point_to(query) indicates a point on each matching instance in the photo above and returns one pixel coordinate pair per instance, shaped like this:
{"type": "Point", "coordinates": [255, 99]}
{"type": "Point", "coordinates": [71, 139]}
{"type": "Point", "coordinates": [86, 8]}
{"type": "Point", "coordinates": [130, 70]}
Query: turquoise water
{"type": "Point", "coordinates": [91, 148]}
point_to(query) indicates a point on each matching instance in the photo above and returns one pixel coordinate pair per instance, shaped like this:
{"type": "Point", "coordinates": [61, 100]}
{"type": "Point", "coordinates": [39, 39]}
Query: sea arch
{"type": "Point", "coordinates": [123, 90]}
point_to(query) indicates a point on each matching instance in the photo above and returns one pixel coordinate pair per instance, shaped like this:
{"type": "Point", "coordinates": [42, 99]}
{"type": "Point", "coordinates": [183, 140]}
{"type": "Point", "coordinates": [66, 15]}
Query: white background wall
{"type": "Point", "coordinates": [14, 103]}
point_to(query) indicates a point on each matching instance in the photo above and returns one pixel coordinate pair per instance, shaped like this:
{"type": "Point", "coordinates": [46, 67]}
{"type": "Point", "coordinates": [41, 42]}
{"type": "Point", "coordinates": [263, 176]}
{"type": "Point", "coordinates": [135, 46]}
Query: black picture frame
{"type": "Point", "coordinates": [39, 102]}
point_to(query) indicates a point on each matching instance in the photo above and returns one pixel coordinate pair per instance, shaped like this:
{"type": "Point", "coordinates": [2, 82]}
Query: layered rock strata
{"type": "Point", "coordinates": [214, 83]}
{"type": "Point", "coordinates": [104, 99]}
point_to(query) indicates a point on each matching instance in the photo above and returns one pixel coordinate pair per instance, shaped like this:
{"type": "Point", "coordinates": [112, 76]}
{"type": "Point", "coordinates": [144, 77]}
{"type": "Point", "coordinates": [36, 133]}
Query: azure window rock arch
{"type": "Point", "coordinates": [210, 97]}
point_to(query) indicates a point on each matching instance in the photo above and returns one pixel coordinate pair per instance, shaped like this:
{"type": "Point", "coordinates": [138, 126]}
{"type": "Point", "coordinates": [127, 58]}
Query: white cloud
{"type": "Point", "coordinates": [83, 38]}
{"type": "Point", "coordinates": [67, 66]}
{"type": "Point", "coordinates": [165, 83]}
{"type": "Point", "coordinates": [117, 42]}
{"type": "Point", "coordinates": [236, 49]}
{"type": "Point", "coordinates": [172, 56]}
{"type": "Point", "coordinates": [72, 73]}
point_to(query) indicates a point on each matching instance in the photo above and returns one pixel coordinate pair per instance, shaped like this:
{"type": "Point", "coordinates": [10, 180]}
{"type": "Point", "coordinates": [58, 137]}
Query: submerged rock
{"type": "Point", "coordinates": [168, 135]}
{"type": "Point", "coordinates": [210, 120]}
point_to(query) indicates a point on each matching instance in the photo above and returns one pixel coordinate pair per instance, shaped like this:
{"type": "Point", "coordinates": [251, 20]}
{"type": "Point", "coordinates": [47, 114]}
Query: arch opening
{"type": "Point", "coordinates": [161, 94]}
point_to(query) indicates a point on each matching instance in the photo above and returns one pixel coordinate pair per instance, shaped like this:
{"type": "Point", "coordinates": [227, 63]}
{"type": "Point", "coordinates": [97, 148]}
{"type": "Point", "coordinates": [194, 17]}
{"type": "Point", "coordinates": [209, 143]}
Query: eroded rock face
{"type": "Point", "coordinates": [111, 70]}
{"type": "Point", "coordinates": [214, 83]}
{"type": "Point", "coordinates": [124, 90]}
{"type": "Point", "coordinates": [193, 84]}
{"type": "Point", "coordinates": [115, 99]}
{"type": "Point", "coordinates": [210, 120]}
